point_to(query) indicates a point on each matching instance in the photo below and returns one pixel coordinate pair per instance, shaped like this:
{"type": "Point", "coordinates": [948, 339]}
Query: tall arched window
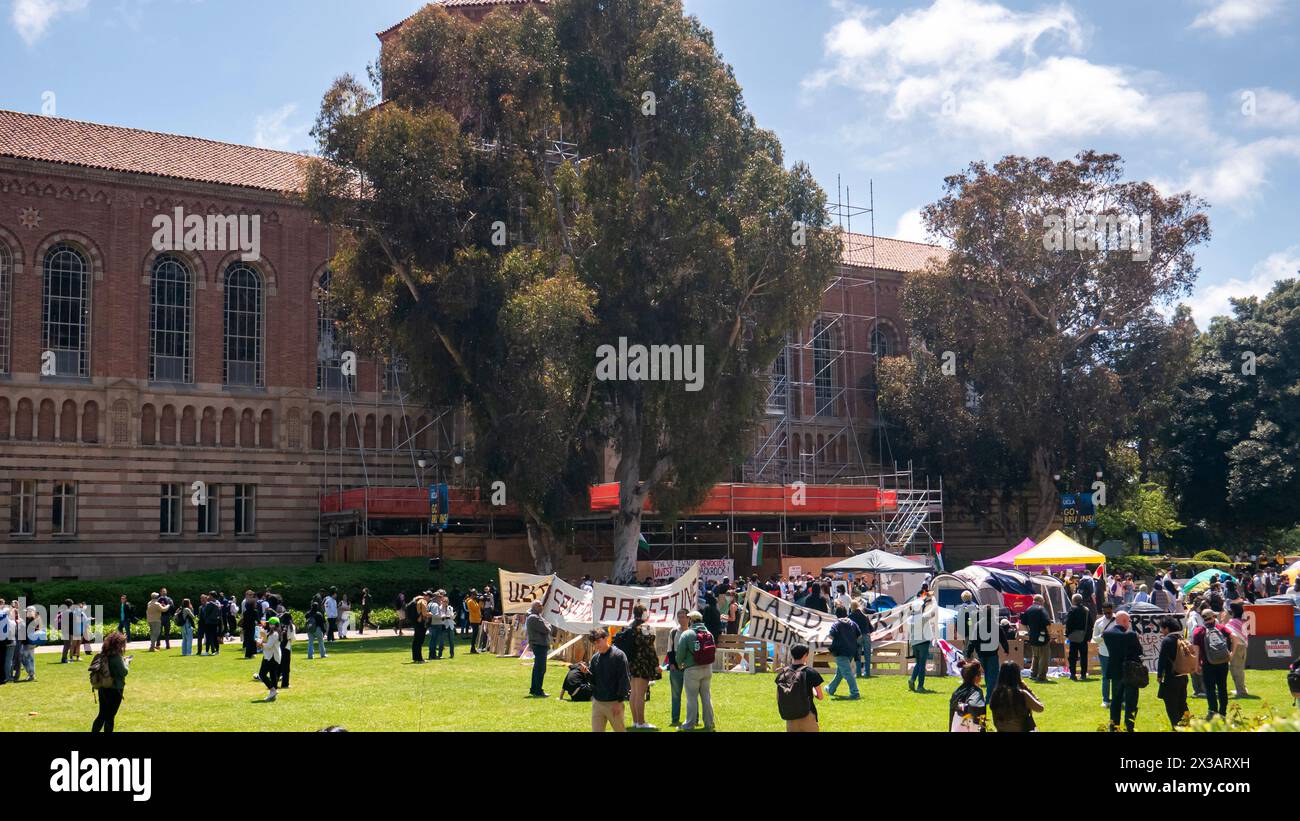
{"type": "Point", "coordinates": [6, 280]}
{"type": "Point", "coordinates": [882, 342]}
{"type": "Point", "coordinates": [171, 321]}
{"type": "Point", "coordinates": [65, 327]}
{"type": "Point", "coordinates": [329, 342]}
{"type": "Point", "coordinates": [243, 326]}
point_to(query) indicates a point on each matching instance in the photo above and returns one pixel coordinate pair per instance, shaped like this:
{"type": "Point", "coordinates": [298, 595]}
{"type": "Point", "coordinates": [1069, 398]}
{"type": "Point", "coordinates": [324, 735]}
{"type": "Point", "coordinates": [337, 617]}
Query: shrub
{"type": "Point", "coordinates": [296, 585]}
{"type": "Point", "coordinates": [1217, 556]}
{"type": "Point", "coordinates": [1140, 566]}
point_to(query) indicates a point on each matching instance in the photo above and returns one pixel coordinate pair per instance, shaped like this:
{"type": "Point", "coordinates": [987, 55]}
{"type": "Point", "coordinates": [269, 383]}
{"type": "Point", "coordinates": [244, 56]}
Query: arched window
{"type": "Point", "coordinates": [68, 421]}
{"type": "Point", "coordinates": [882, 343]}
{"type": "Point", "coordinates": [6, 280]}
{"type": "Point", "coordinates": [329, 343]}
{"type": "Point", "coordinates": [317, 431]}
{"type": "Point", "coordinates": [171, 321]}
{"type": "Point", "coordinates": [90, 422]}
{"type": "Point", "coordinates": [243, 326]}
{"type": "Point", "coordinates": [65, 326]}
{"type": "Point", "coordinates": [148, 425]}
{"type": "Point", "coordinates": [120, 422]}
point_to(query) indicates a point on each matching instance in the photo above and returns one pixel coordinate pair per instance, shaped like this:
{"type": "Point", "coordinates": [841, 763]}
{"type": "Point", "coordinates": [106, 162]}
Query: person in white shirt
{"type": "Point", "coordinates": [271, 656]}
{"type": "Point", "coordinates": [331, 614]}
{"type": "Point", "coordinates": [1103, 623]}
{"type": "Point", "coordinates": [345, 616]}
{"type": "Point", "coordinates": [448, 634]}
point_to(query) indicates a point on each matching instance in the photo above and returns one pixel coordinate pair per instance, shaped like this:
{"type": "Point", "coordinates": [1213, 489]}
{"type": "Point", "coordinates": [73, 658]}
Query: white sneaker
{"type": "Point", "coordinates": [648, 726]}
{"type": "Point", "coordinates": [270, 696]}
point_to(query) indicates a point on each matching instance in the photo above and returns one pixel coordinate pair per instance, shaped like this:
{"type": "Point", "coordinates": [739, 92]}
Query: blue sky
{"type": "Point", "coordinates": [1200, 95]}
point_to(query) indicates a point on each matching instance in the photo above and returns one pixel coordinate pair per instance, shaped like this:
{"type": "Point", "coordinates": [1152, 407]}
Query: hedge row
{"type": "Point", "coordinates": [295, 584]}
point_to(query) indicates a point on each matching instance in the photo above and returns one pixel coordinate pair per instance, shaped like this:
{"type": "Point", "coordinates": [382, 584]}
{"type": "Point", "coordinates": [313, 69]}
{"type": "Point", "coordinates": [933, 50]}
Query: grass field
{"type": "Point", "coordinates": [372, 685]}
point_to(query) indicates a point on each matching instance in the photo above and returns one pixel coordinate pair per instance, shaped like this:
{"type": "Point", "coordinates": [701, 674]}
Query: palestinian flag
{"type": "Point", "coordinates": [1101, 571]}
{"type": "Point", "coordinates": [756, 551]}
{"type": "Point", "coordinates": [938, 555]}
{"type": "Point", "coordinates": [641, 543]}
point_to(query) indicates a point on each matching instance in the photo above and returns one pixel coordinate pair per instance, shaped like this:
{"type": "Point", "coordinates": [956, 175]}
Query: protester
{"type": "Point", "coordinates": [844, 636]}
{"type": "Point", "coordinates": [186, 619]}
{"type": "Point", "coordinates": [271, 656]}
{"type": "Point", "coordinates": [115, 668]}
{"type": "Point", "coordinates": [676, 672]}
{"type": "Point", "coordinates": [643, 666]}
{"type": "Point", "coordinates": [1236, 627]}
{"type": "Point", "coordinates": [610, 683]}
{"type": "Point", "coordinates": [475, 616]}
{"type": "Point", "coordinates": [966, 706]}
{"type": "Point", "coordinates": [695, 653]}
{"type": "Point", "coordinates": [288, 632]}
{"type": "Point", "coordinates": [153, 614]}
{"type": "Point", "coordinates": [250, 614]}
{"type": "Point", "coordinates": [316, 626]}
{"type": "Point", "coordinates": [1175, 660]}
{"type": "Point", "coordinates": [1103, 623]}
{"type": "Point", "coordinates": [33, 634]}
{"type": "Point", "coordinates": [920, 635]}
{"type": "Point", "coordinates": [859, 616]}
{"type": "Point", "coordinates": [1214, 644]}
{"type": "Point", "coordinates": [1035, 621]}
{"type": "Point", "coordinates": [539, 632]}
{"type": "Point", "coordinates": [446, 638]}
{"type": "Point", "coordinates": [1012, 703]}
{"type": "Point", "coordinates": [1123, 647]}
{"type": "Point", "coordinates": [798, 688]}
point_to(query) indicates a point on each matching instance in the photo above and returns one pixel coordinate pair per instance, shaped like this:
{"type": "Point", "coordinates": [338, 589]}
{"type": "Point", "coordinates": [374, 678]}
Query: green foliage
{"type": "Point", "coordinates": [1213, 556]}
{"type": "Point", "coordinates": [1232, 451]}
{"type": "Point", "coordinates": [1055, 352]}
{"type": "Point", "coordinates": [1140, 566]}
{"type": "Point", "coordinates": [1267, 720]}
{"type": "Point", "coordinates": [676, 228]}
{"type": "Point", "coordinates": [295, 584]}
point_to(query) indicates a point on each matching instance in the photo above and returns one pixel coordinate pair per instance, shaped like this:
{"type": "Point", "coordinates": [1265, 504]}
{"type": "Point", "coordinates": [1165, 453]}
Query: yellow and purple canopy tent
{"type": "Point", "coordinates": [1058, 552]}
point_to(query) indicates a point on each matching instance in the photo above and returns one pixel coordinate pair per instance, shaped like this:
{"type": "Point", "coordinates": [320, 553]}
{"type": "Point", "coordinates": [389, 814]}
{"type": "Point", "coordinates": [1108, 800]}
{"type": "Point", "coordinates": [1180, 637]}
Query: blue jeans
{"type": "Point", "coordinates": [1105, 679]}
{"type": "Point", "coordinates": [7, 673]}
{"type": "Point", "coordinates": [539, 668]}
{"type": "Point", "coordinates": [435, 636]}
{"type": "Point", "coordinates": [27, 655]}
{"type": "Point", "coordinates": [447, 635]}
{"type": "Point", "coordinates": [864, 656]}
{"type": "Point", "coordinates": [922, 652]}
{"type": "Point", "coordinates": [312, 638]}
{"type": "Point", "coordinates": [844, 670]}
{"type": "Point", "coordinates": [676, 681]}
{"type": "Point", "coordinates": [187, 639]}
{"type": "Point", "coordinates": [989, 661]}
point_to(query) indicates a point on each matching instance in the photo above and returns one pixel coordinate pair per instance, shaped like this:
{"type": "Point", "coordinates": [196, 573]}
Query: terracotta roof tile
{"type": "Point", "coordinates": [883, 253]}
{"type": "Point", "coordinates": [113, 148]}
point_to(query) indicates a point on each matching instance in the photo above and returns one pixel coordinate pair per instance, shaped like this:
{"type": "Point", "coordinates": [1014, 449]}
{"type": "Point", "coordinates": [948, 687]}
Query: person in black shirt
{"type": "Point", "coordinates": [1035, 621]}
{"type": "Point", "coordinates": [1173, 687]}
{"type": "Point", "coordinates": [250, 614]}
{"type": "Point", "coordinates": [1123, 646]}
{"type": "Point", "coordinates": [610, 683]}
{"type": "Point", "coordinates": [813, 684]}
{"type": "Point", "coordinates": [1078, 632]}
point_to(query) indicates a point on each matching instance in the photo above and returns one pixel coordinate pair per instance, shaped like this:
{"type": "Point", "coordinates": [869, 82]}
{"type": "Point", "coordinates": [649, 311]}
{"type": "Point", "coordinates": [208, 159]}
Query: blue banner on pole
{"type": "Point", "coordinates": [439, 509]}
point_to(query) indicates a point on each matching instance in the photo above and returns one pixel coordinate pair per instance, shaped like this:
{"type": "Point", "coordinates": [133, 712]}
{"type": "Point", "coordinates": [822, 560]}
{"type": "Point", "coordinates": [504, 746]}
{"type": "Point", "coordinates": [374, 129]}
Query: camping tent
{"type": "Point", "coordinates": [1008, 589]}
{"type": "Point", "coordinates": [1202, 579]}
{"type": "Point", "coordinates": [1004, 560]}
{"type": "Point", "coordinates": [878, 561]}
{"type": "Point", "coordinates": [1292, 572]}
{"type": "Point", "coordinates": [1058, 551]}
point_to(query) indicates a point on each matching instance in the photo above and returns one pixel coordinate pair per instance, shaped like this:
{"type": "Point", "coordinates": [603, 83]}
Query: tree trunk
{"type": "Point", "coordinates": [1048, 495]}
{"type": "Point", "coordinates": [631, 497]}
{"type": "Point", "coordinates": [544, 546]}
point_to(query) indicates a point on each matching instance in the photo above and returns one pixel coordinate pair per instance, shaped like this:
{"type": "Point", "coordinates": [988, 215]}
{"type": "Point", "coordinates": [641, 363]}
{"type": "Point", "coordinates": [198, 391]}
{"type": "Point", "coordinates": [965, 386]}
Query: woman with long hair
{"type": "Point", "coordinates": [643, 664]}
{"type": "Point", "coordinates": [186, 619]}
{"type": "Point", "coordinates": [967, 700]}
{"type": "Point", "coordinates": [1012, 702]}
{"type": "Point", "coordinates": [110, 698]}
{"type": "Point", "coordinates": [271, 657]}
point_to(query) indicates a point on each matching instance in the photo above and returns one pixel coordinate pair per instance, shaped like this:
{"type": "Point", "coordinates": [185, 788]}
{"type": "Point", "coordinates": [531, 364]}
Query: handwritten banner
{"type": "Point", "coordinates": [613, 604]}
{"type": "Point", "coordinates": [576, 610]}
{"type": "Point", "coordinates": [710, 569]}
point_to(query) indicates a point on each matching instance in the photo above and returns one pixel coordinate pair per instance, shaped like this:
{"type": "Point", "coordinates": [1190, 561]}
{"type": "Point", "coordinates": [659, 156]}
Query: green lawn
{"type": "Point", "coordinates": [372, 685]}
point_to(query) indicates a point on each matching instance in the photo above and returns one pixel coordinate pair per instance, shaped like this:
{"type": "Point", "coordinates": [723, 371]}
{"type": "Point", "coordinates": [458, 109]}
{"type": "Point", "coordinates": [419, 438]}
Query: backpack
{"type": "Point", "coordinates": [792, 697]}
{"type": "Point", "coordinates": [625, 640]}
{"type": "Point", "coordinates": [101, 678]}
{"type": "Point", "coordinates": [1217, 650]}
{"type": "Point", "coordinates": [1185, 659]}
{"type": "Point", "coordinates": [705, 653]}
{"type": "Point", "coordinates": [412, 612]}
{"type": "Point", "coordinates": [1136, 674]}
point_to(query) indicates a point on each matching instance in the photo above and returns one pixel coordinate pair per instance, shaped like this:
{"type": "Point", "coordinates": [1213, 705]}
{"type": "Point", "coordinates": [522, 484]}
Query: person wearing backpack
{"type": "Point", "coordinates": [1125, 650]}
{"type": "Point", "coordinates": [844, 636]}
{"type": "Point", "coordinates": [108, 671]}
{"type": "Point", "coordinates": [796, 688]}
{"type": "Point", "coordinates": [316, 629]}
{"type": "Point", "coordinates": [1176, 661]}
{"type": "Point", "coordinates": [966, 707]}
{"type": "Point", "coordinates": [1215, 647]}
{"type": "Point", "coordinates": [695, 653]}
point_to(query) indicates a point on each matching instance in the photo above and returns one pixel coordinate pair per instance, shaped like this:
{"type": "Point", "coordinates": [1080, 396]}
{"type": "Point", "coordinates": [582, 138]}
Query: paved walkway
{"type": "Point", "coordinates": [142, 646]}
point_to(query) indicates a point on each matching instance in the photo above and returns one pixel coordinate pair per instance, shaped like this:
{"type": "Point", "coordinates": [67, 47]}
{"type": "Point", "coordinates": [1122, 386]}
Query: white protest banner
{"type": "Point", "coordinates": [567, 607]}
{"type": "Point", "coordinates": [612, 604]}
{"type": "Point", "coordinates": [782, 622]}
{"type": "Point", "coordinates": [710, 569]}
{"type": "Point", "coordinates": [520, 590]}
{"type": "Point", "coordinates": [918, 616]}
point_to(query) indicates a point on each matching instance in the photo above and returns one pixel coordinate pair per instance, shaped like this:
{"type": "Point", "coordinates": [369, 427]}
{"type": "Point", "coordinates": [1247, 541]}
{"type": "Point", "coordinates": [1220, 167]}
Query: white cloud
{"type": "Point", "coordinates": [31, 18]}
{"type": "Point", "coordinates": [911, 227]}
{"type": "Point", "coordinates": [973, 68]}
{"type": "Point", "coordinates": [1268, 108]}
{"type": "Point", "coordinates": [1229, 17]}
{"type": "Point", "coordinates": [274, 129]}
{"type": "Point", "coordinates": [1212, 300]}
{"type": "Point", "coordinates": [1240, 174]}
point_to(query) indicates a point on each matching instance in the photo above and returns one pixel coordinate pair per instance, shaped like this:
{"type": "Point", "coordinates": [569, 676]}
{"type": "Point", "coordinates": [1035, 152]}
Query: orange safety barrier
{"type": "Point", "coordinates": [819, 500]}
